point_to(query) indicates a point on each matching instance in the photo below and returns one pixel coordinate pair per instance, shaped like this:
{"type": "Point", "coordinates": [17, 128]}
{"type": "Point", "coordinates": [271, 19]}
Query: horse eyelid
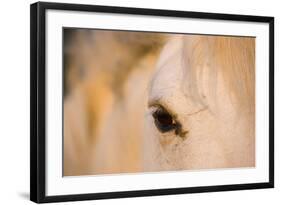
{"type": "Point", "coordinates": [158, 104]}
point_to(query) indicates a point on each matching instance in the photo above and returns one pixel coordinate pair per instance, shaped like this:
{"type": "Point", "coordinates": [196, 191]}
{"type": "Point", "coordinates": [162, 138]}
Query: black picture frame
{"type": "Point", "coordinates": [38, 101]}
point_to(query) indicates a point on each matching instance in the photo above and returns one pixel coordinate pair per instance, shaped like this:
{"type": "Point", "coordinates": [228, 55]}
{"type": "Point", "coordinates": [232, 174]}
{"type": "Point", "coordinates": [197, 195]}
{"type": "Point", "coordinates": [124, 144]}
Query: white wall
{"type": "Point", "coordinates": [14, 100]}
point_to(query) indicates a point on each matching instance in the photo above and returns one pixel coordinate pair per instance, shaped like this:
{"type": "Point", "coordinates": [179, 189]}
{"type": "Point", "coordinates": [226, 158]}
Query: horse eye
{"type": "Point", "coordinates": [164, 120]}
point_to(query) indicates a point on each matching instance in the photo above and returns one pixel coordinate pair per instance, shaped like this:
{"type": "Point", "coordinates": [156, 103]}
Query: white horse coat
{"type": "Point", "coordinates": [204, 85]}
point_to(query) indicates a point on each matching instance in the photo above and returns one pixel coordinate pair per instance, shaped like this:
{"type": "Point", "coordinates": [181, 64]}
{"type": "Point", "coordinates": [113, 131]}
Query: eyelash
{"type": "Point", "coordinates": [165, 122]}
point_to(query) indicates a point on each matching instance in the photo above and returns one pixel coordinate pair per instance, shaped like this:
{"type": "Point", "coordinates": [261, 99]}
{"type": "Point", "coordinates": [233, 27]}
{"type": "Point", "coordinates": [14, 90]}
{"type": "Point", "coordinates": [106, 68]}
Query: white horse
{"type": "Point", "coordinates": [193, 109]}
{"type": "Point", "coordinates": [202, 105]}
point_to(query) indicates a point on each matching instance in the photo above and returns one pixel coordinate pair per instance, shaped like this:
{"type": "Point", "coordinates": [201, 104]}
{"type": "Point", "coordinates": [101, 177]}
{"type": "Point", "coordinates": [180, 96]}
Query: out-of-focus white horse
{"type": "Point", "coordinates": [106, 78]}
{"type": "Point", "coordinates": [191, 108]}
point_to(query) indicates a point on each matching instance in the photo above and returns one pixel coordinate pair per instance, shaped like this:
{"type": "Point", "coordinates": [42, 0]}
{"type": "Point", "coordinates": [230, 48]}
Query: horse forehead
{"type": "Point", "coordinates": [167, 82]}
{"type": "Point", "coordinates": [168, 73]}
{"type": "Point", "coordinates": [166, 85]}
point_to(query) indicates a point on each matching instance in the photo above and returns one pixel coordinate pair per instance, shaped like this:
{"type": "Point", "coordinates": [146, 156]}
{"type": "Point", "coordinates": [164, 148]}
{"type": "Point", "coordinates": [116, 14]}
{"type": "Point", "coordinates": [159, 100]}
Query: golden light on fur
{"type": "Point", "coordinates": [111, 76]}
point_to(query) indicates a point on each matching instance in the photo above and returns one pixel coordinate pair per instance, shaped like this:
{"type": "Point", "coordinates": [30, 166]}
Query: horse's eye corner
{"type": "Point", "coordinates": [165, 122]}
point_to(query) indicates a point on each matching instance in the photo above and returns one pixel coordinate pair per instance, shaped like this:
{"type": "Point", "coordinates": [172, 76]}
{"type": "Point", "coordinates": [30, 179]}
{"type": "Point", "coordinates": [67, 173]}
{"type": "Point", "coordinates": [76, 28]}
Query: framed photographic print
{"type": "Point", "coordinates": [129, 102]}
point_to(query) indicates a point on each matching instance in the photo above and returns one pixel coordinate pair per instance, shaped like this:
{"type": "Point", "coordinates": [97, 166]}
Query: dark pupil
{"type": "Point", "coordinates": [163, 120]}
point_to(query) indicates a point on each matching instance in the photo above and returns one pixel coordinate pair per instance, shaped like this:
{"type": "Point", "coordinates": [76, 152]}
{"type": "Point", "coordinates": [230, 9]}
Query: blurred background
{"type": "Point", "coordinates": [106, 77]}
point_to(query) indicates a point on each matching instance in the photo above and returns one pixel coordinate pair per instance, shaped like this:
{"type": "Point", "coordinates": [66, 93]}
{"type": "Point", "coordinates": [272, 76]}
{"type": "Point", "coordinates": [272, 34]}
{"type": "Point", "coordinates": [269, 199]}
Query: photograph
{"type": "Point", "coordinates": [134, 102]}
{"type": "Point", "coordinates": [139, 102]}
